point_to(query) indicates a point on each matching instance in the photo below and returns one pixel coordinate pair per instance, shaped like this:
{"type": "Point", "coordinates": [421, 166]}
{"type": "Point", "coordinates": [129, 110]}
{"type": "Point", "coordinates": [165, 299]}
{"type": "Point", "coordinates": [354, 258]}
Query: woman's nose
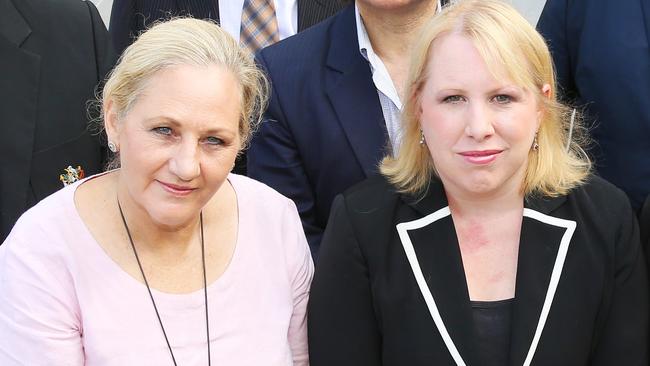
{"type": "Point", "coordinates": [479, 123]}
{"type": "Point", "coordinates": [185, 162]}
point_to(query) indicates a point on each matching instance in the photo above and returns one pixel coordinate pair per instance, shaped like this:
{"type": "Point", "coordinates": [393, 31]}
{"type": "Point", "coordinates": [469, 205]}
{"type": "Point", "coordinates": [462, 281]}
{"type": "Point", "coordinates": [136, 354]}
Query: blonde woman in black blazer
{"type": "Point", "coordinates": [486, 241]}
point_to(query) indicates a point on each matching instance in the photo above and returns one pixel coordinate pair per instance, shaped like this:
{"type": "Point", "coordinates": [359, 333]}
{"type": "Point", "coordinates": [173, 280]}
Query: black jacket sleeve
{"type": "Point", "coordinates": [342, 325]}
{"type": "Point", "coordinates": [624, 337]}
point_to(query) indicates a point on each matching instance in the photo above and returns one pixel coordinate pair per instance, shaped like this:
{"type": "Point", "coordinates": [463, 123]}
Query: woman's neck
{"type": "Point", "coordinates": [485, 206]}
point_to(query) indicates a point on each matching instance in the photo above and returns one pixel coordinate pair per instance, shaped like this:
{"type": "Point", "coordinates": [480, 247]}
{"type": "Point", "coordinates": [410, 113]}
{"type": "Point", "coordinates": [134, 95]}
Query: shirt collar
{"type": "Point", "coordinates": [365, 47]}
{"type": "Point", "coordinates": [380, 75]}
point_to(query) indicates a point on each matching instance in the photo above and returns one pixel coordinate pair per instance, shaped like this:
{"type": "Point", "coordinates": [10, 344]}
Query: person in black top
{"type": "Point", "coordinates": [53, 54]}
{"type": "Point", "coordinates": [486, 241]}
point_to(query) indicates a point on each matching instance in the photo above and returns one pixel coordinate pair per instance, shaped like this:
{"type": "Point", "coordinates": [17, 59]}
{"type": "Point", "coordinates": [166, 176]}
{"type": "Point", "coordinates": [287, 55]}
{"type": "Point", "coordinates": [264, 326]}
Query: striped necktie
{"type": "Point", "coordinates": [259, 25]}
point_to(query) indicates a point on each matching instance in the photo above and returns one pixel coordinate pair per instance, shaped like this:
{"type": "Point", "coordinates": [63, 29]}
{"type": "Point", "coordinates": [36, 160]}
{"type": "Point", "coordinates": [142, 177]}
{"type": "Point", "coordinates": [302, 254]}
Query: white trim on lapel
{"type": "Point", "coordinates": [404, 227]}
{"type": "Point", "coordinates": [570, 227]}
{"type": "Point", "coordinates": [402, 230]}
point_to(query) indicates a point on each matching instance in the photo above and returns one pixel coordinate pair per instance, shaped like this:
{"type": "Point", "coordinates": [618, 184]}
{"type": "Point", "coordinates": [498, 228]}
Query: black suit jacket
{"type": "Point", "coordinates": [324, 129]}
{"type": "Point", "coordinates": [130, 17]}
{"type": "Point", "coordinates": [52, 55]}
{"type": "Point", "coordinates": [390, 287]}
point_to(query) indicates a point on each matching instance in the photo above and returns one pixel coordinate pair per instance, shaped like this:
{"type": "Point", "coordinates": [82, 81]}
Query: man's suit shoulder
{"type": "Point", "coordinates": [67, 20]}
{"type": "Point", "coordinates": [309, 45]}
{"type": "Point", "coordinates": [70, 10]}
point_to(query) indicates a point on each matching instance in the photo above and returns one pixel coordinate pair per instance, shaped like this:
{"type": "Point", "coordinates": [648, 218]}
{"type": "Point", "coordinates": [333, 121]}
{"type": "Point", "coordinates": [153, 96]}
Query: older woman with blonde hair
{"type": "Point", "coordinates": [486, 241]}
{"type": "Point", "coordinates": [168, 259]}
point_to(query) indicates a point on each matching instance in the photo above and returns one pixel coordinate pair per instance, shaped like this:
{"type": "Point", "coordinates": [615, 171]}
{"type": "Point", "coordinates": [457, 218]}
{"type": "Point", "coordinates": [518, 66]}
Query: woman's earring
{"type": "Point", "coordinates": [535, 144]}
{"type": "Point", "coordinates": [112, 147]}
{"type": "Point", "coordinates": [422, 140]}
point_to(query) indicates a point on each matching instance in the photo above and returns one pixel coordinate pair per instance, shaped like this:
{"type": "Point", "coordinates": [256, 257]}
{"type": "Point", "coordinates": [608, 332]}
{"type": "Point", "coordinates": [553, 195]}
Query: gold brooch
{"type": "Point", "coordinates": [71, 175]}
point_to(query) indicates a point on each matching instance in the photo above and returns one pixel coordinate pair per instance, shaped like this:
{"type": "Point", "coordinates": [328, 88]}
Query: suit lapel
{"type": "Point", "coordinates": [433, 253]}
{"type": "Point", "coordinates": [432, 250]}
{"type": "Point", "coordinates": [19, 95]}
{"type": "Point", "coordinates": [13, 26]}
{"type": "Point", "coordinates": [353, 95]}
{"type": "Point", "coordinates": [543, 247]}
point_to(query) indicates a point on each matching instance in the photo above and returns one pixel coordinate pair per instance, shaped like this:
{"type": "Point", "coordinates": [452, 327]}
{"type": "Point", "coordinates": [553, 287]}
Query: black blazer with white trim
{"type": "Point", "coordinates": [390, 289]}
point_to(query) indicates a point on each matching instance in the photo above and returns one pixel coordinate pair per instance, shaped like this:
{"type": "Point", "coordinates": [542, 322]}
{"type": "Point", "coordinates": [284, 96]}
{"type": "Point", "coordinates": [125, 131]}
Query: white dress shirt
{"type": "Point", "coordinates": [286, 12]}
{"type": "Point", "coordinates": [391, 105]}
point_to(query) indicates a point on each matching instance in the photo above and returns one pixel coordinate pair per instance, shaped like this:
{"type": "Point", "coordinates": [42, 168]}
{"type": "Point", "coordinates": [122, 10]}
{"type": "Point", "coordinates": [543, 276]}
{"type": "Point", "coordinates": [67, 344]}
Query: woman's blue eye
{"type": "Point", "coordinates": [453, 99]}
{"type": "Point", "coordinates": [502, 99]}
{"type": "Point", "coordinates": [163, 130]}
{"type": "Point", "coordinates": [214, 140]}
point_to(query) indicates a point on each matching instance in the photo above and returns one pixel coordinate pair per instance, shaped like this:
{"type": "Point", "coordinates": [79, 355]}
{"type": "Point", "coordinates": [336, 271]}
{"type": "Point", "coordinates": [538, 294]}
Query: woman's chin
{"type": "Point", "coordinates": [472, 184]}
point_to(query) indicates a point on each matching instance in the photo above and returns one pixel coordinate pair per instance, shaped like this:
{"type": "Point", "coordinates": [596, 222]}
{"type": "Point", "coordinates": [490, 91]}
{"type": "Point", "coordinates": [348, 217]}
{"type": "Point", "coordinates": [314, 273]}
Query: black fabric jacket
{"type": "Point", "coordinates": [53, 53]}
{"type": "Point", "coordinates": [390, 282]}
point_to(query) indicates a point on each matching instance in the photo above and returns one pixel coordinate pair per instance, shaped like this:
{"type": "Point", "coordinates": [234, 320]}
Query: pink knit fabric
{"type": "Point", "coordinates": [63, 301]}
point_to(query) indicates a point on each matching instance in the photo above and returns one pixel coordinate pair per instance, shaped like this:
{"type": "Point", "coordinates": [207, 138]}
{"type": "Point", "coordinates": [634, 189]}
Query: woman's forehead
{"type": "Point", "coordinates": [457, 56]}
{"type": "Point", "coordinates": [190, 93]}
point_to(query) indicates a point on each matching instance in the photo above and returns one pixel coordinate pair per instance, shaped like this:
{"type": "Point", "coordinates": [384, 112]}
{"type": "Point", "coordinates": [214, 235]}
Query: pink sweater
{"type": "Point", "coordinates": [63, 301]}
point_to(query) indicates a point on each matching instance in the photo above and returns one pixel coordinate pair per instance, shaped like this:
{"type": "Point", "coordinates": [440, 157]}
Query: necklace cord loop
{"type": "Point", "coordinates": [153, 302]}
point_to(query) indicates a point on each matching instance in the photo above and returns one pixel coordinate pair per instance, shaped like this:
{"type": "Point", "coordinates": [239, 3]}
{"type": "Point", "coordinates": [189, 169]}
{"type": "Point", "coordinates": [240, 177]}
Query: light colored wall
{"type": "Point", "coordinates": [529, 8]}
{"type": "Point", "coordinates": [104, 7]}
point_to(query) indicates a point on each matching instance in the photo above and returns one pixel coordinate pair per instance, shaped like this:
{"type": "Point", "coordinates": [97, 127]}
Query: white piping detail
{"type": "Point", "coordinates": [570, 226]}
{"type": "Point", "coordinates": [404, 227]}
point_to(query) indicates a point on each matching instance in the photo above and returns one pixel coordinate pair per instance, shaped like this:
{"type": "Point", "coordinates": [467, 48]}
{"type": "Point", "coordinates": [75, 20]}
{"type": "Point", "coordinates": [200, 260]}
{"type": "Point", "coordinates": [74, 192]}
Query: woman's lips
{"type": "Point", "coordinates": [481, 157]}
{"type": "Point", "coordinates": [176, 189]}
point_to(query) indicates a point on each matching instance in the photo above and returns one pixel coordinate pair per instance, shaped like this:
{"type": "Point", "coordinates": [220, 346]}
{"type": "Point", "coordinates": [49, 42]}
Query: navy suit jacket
{"type": "Point", "coordinates": [600, 49]}
{"type": "Point", "coordinates": [324, 129]}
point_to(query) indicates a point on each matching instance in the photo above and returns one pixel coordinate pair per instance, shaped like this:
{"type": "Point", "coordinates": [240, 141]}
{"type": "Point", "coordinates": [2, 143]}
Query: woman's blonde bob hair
{"type": "Point", "coordinates": [187, 41]}
{"type": "Point", "coordinates": [513, 51]}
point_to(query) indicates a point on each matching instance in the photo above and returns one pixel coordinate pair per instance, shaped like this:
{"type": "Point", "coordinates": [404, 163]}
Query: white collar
{"type": "Point", "coordinates": [380, 74]}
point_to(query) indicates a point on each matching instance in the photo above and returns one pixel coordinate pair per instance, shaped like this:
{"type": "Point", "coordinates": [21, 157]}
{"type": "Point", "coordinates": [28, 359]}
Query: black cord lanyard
{"type": "Point", "coordinates": [205, 289]}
